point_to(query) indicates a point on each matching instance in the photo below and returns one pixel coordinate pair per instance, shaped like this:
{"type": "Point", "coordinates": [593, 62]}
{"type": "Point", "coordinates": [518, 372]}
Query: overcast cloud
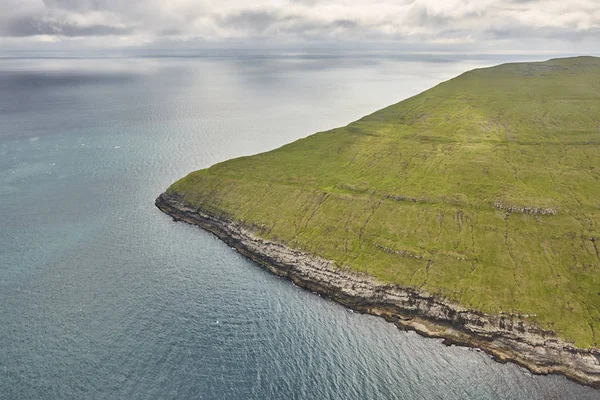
{"type": "Point", "coordinates": [438, 23]}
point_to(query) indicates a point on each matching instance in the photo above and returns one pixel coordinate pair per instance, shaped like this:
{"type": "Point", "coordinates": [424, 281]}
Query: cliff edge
{"type": "Point", "coordinates": [505, 337]}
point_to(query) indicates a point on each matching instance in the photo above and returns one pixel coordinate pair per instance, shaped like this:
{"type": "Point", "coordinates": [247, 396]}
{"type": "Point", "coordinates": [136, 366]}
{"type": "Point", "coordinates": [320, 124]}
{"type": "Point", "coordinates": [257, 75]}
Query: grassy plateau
{"type": "Point", "coordinates": [484, 190]}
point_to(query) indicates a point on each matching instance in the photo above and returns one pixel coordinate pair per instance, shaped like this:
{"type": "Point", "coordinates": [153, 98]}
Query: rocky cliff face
{"type": "Point", "coordinates": [506, 337]}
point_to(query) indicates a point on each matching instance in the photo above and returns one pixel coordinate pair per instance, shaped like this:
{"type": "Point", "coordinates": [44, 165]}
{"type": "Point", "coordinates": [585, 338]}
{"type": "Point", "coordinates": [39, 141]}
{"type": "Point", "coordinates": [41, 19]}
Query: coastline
{"type": "Point", "coordinates": [507, 338]}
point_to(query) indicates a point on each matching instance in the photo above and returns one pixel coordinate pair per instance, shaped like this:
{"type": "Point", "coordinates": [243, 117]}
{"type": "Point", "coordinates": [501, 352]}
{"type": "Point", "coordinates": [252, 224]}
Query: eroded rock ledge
{"type": "Point", "coordinates": [506, 337]}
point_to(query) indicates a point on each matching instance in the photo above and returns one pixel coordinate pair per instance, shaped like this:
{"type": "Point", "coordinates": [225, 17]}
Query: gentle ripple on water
{"type": "Point", "coordinates": [104, 297]}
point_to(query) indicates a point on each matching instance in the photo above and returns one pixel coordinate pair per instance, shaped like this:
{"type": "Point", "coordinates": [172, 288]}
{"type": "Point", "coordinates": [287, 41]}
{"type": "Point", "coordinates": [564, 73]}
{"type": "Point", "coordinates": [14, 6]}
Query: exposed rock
{"type": "Point", "coordinates": [404, 253]}
{"type": "Point", "coordinates": [408, 199]}
{"type": "Point", "coordinates": [507, 337]}
{"type": "Point", "coordinates": [525, 210]}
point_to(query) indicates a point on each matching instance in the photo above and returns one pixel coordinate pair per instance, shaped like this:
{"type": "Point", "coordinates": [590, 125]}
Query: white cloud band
{"type": "Point", "coordinates": [423, 21]}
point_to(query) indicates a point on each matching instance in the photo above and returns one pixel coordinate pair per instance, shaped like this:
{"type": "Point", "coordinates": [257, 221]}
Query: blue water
{"type": "Point", "coordinates": [104, 297]}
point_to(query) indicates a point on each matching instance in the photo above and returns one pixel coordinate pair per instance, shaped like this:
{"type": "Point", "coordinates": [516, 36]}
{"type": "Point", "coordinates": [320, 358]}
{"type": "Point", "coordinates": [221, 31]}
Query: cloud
{"type": "Point", "coordinates": [142, 22]}
{"type": "Point", "coordinates": [252, 21]}
{"type": "Point", "coordinates": [33, 26]}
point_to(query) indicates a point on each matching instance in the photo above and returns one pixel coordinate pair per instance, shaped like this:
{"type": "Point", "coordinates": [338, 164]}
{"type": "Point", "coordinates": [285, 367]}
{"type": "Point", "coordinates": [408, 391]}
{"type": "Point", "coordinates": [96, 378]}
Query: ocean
{"type": "Point", "coordinates": [102, 296]}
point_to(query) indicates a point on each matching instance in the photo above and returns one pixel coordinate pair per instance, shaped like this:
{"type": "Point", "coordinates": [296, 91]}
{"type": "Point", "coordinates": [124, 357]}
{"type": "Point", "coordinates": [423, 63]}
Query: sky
{"type": "Point", "coordinates": [411, 25]}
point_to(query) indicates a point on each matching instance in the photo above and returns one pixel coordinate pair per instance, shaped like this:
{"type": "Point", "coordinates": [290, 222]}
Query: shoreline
{"type": "Point", "coordinates": [506, 337]}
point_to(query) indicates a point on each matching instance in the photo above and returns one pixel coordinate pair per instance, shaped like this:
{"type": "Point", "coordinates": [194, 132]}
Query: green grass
{"type": "Point", "coordinates": [407, 194]}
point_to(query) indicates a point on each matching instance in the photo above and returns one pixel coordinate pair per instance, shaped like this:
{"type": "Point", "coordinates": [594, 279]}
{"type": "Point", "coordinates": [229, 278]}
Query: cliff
{"type": "Point", "coordinates": [505, 337]}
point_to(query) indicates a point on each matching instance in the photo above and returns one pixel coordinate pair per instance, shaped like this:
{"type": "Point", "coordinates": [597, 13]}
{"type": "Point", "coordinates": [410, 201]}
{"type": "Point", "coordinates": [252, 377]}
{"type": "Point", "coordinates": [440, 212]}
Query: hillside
{"type": "Point", "coordinates": [484, 190]}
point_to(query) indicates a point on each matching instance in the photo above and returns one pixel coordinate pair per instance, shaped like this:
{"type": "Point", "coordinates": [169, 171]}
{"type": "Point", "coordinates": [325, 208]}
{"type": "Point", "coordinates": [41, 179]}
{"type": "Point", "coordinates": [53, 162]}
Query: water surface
{"type": "Point", "coordinates": [104, 297]}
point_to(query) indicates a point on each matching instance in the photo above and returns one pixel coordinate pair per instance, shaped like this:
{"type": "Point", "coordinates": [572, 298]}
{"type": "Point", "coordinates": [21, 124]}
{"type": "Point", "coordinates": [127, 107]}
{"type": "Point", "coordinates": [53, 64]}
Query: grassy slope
{"type": "Point", "coordinates": [523, 135]}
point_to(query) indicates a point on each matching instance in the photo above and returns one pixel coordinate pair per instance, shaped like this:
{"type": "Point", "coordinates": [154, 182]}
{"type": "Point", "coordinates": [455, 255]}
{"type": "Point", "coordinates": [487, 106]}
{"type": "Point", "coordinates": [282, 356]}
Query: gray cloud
{"type": "Point", "coordinates": [143, 22]}
{"type": "Point", "coordinates": [32, 26]}
{"type": "Point", "coordinates": [252, 21]}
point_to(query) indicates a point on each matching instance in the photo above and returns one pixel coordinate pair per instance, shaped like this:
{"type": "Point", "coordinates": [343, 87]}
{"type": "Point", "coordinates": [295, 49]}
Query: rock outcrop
{"type": "Point", "coordinates": [525, 210]}
{"type": "Point", "coordinates": [507, 337]}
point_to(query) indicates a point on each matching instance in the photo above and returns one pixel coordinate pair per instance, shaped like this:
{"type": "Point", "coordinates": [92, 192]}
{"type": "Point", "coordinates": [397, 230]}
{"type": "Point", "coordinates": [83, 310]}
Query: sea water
{"type": "Point", "coordinates": [102, 296]}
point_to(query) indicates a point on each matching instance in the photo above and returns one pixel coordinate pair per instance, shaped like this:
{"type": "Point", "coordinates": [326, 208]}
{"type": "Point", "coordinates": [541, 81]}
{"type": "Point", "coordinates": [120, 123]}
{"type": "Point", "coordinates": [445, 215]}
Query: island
{"type": "Point", "coordinates": [469, 212]}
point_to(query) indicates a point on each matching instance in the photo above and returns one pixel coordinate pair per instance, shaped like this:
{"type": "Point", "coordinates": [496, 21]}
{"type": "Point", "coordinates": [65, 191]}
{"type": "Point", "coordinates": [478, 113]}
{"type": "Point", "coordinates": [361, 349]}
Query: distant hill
{"type": "Point", "coordinates": [484, 190]}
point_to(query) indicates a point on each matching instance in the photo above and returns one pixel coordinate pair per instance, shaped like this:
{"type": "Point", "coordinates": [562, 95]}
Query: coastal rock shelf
{"type": "Point", "coordinates": [505, 337]}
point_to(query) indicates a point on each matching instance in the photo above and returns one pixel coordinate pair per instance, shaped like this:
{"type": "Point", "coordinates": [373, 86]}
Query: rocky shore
{"type": "Point", "coordinates": [506, 337]}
